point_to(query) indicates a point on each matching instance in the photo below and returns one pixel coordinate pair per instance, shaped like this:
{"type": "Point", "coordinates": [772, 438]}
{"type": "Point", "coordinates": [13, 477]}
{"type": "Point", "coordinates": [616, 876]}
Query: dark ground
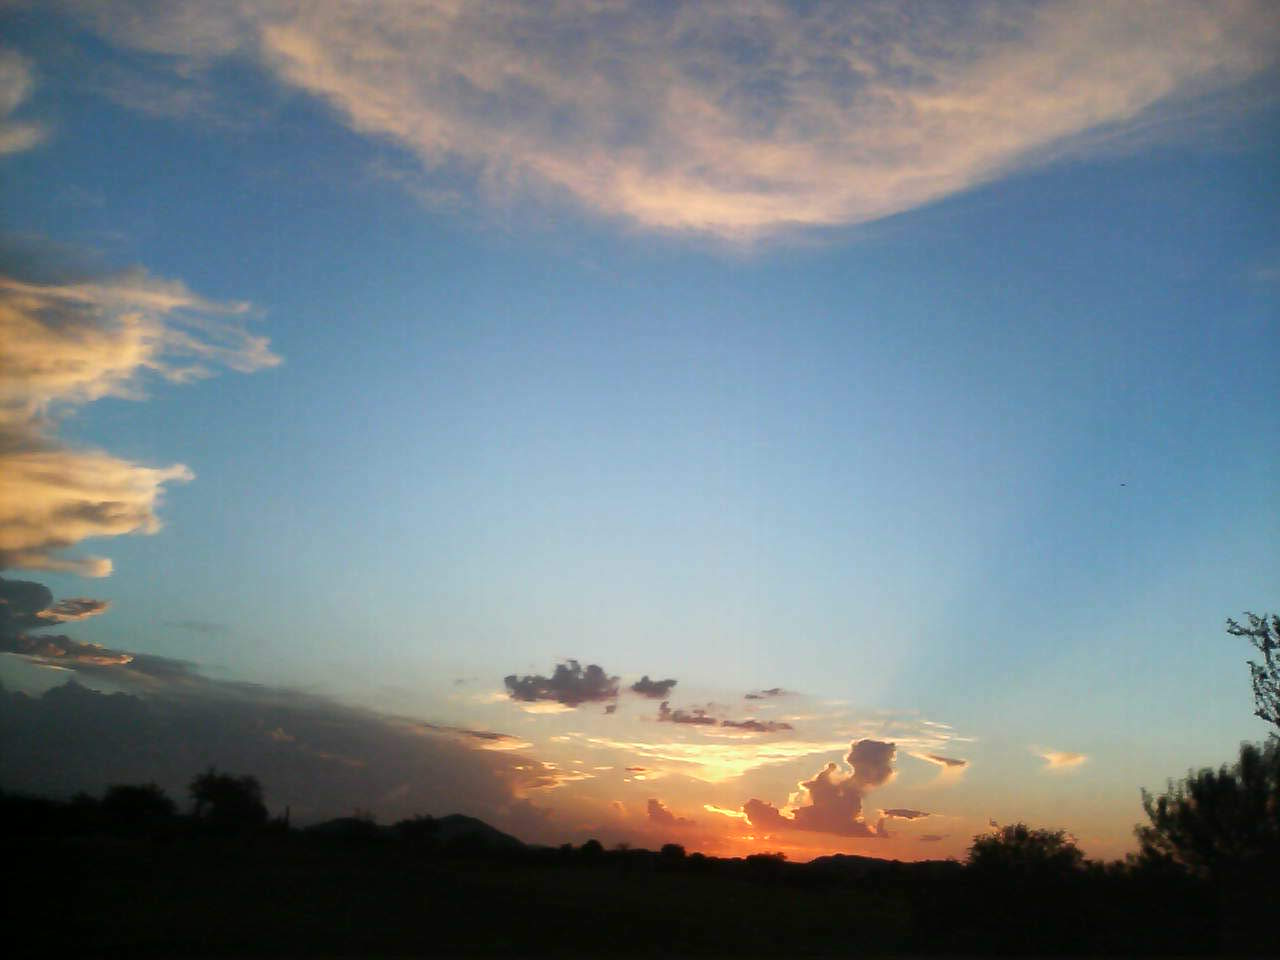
{"type": "Point", "coordinates": [369, 892]}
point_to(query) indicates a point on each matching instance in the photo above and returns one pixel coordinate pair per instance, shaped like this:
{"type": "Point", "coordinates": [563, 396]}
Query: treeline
{"type": "Point", "coordinates": [136, 876]}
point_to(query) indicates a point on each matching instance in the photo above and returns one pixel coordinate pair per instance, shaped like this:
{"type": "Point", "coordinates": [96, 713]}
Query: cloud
{"type": "Point", "coordinates": [70, 344]}
{"type": "Point", "coordinates": [25, 605]}
{"type": "Point", "coordinates": [766, 694]}
{"type": "Point", "coordinates": [724, 811]}
{"type": "Point", "coordinates": [16, 83]}
{"type": "Point", "coordinates": [653, 689]}
{"type": "Point", "coordinates": [21, 603]}
{"type": "Point", "coordinates": [313, 754]}
{"type": "Point", "coordinates": [931, 837]}
{"type": "Point", "coordinates": [715, 762]}
{"type": "Point", "coordinates": [61, 649]}
{"type": "Point", "coordinates": [659, 814]}
{"type": "Point", "coordinates": [695, 717]}
{"type": "Point", "coordinates": [540, 775]}
{"type": "Point", "coordinates": [74, 608]}
{"type": "Point", "coordinates": [933, 758]}
{"type": "Point", "coordinates": [1059, 760]}
{"type": "Point", "coordinates": [701, 717]}
{"type": "Point", "coordinates": [480, 739]}
{"type": "Point", "coordinates": [831, 801]}
{"type": "Point", "coordinates": [757, 726]}
{"type": "Point", "coordinates": [569, 685]}
{"type": "Point", "coordinates": [950, 769]}
{"type": "Point", "coordinates": [727, 119]}
{"type": "Point", "coordinates": [903, 813]}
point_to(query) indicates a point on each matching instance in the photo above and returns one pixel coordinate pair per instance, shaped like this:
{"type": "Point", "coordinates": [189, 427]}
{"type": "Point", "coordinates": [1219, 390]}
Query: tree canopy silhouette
{"type": "Point", "coordinates": [1218, 822]}
{"type": "Point", "coordinates": [1264, 633]}
{"type": "Point", "coordinates": [227, 800]}
{"type": "Point", "coordinates": [137, 804]}
{"type": "Point", "coordinates": [1021, 851]}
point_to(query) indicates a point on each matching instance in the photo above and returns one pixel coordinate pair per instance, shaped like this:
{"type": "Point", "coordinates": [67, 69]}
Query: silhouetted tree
{"type": "Point", "coordinates": [136, 804]}
{"type": "Point", "coordinates": [1020, 851]}
{"type": "Point", "coordinates": [1216, 822]}
{"type": "Point", "coordinates": [672, 852]}
{"type": "Point", "coordinates": [1264, 634]}
{"type": "Point", "coordinates": [592, 849]}
{"type": "Point", "coordinates": [227, 800]}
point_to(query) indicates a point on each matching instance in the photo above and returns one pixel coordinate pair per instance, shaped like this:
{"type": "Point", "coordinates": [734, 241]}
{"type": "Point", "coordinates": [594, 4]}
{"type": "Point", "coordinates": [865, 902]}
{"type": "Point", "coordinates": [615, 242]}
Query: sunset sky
{"type": "Point", "coordinates": [805, 427]}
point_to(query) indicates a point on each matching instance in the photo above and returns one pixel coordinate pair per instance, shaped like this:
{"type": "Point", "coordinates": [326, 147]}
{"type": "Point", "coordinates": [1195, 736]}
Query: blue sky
{"type": "Point", "coordinates": [730, 374]}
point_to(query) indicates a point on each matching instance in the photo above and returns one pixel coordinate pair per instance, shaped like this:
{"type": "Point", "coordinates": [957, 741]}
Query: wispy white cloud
{"type": "Point", "coordinates": [1059, 760]}
{"type": "Point", "coordinates": [16, 83]}
{"type": "Point", "coordinates": [71, 344]}
{"type": "Point", "coordinates": [731, 119]}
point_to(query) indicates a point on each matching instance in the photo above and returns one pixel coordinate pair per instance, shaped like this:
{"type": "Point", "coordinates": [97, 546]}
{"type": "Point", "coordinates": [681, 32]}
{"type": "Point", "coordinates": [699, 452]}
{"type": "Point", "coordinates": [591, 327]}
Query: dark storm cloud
{"type": "Point", "coordinates": [659, 814]}
{"type": "Point", "coordinates": [312, 754]}
{"type": "Point", "coordinates": [27, 605]}
{"type": "Point", "coordinates": [831, 801]}
{"type": "Point", "coordinates": [60, 649]}
{"type": "Point", "coordinates": [697, 716]}
{"type": "Point", "coordinates": [569, 684]}
{"type": "Point", "coordinates": [653, 689]}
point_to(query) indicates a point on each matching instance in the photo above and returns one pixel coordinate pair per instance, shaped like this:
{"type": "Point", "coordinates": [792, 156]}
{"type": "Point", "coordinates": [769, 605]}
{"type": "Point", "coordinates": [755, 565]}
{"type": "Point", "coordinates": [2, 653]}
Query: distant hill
{"type": "Point", "coordinates": [456, 829]}
{"type": "Point", "coordinates": [454, 832]}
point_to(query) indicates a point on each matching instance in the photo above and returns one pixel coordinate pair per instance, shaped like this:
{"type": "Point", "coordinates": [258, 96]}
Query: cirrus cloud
{"type": "Point", "coordinates": [735, 120]}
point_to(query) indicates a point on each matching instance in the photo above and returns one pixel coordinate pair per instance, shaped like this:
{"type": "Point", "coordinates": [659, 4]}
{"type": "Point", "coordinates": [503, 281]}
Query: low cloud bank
{"type": "Point", "coordinates": [313, 755]}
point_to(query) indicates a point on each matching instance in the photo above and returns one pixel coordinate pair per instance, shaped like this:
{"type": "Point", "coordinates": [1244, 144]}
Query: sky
{"type": "Point", "coordinates": [760, 426]}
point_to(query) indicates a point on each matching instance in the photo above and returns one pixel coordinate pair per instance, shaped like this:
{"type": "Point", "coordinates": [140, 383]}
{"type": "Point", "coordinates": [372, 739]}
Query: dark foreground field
{"type": "Point", "coordinates": [185, 891]}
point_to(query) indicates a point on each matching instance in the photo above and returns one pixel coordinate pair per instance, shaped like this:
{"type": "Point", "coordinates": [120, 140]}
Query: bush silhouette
{"type": "Point", "coordinates": [133, 805]}
{"type": "Point", "coordinates": [672, 852]}
{"type": "Point", "coordinates": [225, 800]}
{"type": "Point", "coordinates": [1020, 851]}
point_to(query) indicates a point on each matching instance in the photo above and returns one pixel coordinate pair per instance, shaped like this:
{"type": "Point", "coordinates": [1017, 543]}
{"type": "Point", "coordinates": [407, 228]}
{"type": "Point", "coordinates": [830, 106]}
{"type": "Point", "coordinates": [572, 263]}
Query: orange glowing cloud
{"type": "Point", "coordinates": [715, 762]}
{"type": "Point", "coordinates": [724, 811]}
{"type": "Point", "coordinates": [831, 801]}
